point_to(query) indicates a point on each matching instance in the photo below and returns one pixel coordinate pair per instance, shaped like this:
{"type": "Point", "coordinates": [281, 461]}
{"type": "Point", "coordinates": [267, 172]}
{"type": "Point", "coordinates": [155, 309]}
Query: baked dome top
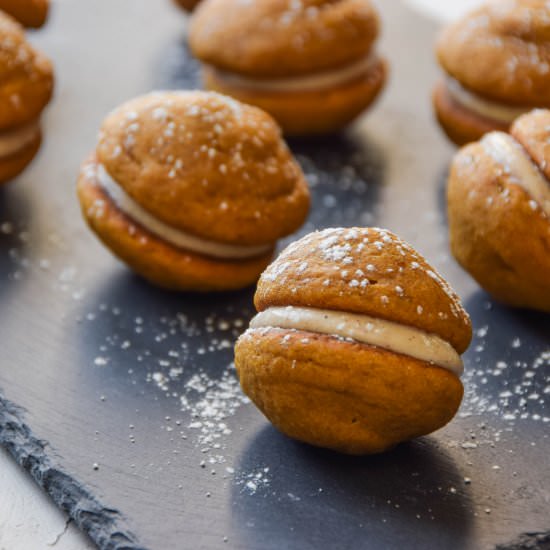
{"type": "Point", "coordinates": [282, 38]}
{"type": "Point", "coordinates": [532, 130]}
{"type": "Point", "coordinates": [369, 271]}
{"type": "Point", "coordinates": [501, 51]}
{"type": "Point", "coordinates": [205, 164]}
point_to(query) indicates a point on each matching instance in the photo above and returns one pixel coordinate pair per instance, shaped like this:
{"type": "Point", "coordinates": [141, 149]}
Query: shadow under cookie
{"type": "Point", "coordinates": [307, 497]}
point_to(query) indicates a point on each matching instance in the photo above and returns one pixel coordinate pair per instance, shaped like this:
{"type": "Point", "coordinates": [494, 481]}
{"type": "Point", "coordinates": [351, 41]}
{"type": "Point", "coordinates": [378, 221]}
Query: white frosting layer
{"type": "Point", "coordinates": [312, 82]}
{"type": "Point", "coordinates": [13, 141]}
{"type": "Point", "coordinates": [170, 234]}
{"type": "Point", "coordinates": [367, 330]}
{"type": "Point", "coordinates": [517, 162]}
{"type": "Point", "coordinates": [493, 110]}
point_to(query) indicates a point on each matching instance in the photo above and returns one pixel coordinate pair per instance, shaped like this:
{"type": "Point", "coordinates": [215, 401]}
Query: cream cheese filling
{"type": "Point", "coordinates": [317, 81]}
{"type": "Point", "coordinates": [493, 110]}
{"type": "Point", "coordinates": [505, 150]}
{"type": "Point", "coordinates": [392, 336]}
{"type": "Point", "coordinates": [14, 140]}
{"type": "Point", "coordinates": [174, 236]}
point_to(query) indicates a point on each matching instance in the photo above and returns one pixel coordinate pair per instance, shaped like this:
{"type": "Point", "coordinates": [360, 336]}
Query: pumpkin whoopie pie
{"type": "Point", "coordinates": [312, 64]}
{"type": "Point", "coordinates": [30, 13]}
{"type": "Point", "coordinates": [192, 189]}
{"type": "Point", "coordinates": [27, 84]}
{"type": "Point", "coordinates": [357, 343]}
{"type": "Point", "coordinates": [499, 211]}
{"type": "Point", "coordinates": [497, 65]}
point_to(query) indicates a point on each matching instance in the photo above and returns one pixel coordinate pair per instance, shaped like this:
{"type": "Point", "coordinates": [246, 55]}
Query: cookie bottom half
{"type": "Point", "coordinates": [349, 397]}
{"type": "Point", "coordinates": [312, 112]}
{"type": "Point", "coordinates": [12, 165]}
{"type": "Point", "coordinates": [459, 124]}
{"type": "Point", "coordinates": [156, 260]}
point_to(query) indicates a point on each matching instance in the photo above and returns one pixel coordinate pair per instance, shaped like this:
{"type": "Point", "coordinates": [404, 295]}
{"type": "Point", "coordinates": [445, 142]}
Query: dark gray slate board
{"type": "Point", "coordinates": [128, 411]}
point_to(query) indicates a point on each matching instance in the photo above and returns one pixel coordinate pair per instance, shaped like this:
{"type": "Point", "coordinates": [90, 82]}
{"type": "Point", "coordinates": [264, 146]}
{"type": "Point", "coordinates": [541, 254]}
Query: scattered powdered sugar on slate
{"type": "Point", "coordinates": [253, 481]}
{"type": "Point", "coordinates": [520, 389]}
{"type": "Point", "coordinates": [505, 381]}
{"type": "Point", "coordinates": [188, 360]}
{"type": "Point", "coordinates": [23, 263]}
{"type": "Point", "coordinates": [16, 237]}
{"type": "Point", "coordinates": [211, 403]}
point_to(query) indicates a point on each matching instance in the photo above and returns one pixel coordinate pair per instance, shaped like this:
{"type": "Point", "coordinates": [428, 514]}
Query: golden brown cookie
{"type": "Point", "coordinates": [357, 343]}
{"type": "Point", "coordinates": [27, 84]}
{"type": "Point", "coordinates": [30, 13]}
{"type": "Point", "coordinates": [192, 189]}
{"type": "Point", "coordinates": [311, 64]}
{"type": "Point", "coordinates": [188, 5]}
{"type": "Point", "coordinates": [499, 212]}
{"type": "Point", "coordinates": [497, 64]}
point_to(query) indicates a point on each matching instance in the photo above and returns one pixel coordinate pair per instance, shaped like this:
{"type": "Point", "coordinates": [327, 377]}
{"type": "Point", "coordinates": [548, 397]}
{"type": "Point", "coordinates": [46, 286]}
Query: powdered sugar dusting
{"type": "Point", "coordinates": [359, 257]}
{"type": "Point", "coordinates": [165, 353]}
{"type": "Point", "coordinates": [177, 131]}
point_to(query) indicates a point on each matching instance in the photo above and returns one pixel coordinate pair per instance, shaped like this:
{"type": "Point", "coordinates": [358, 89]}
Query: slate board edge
{"type": "Point", "coordinates": [105, 526]}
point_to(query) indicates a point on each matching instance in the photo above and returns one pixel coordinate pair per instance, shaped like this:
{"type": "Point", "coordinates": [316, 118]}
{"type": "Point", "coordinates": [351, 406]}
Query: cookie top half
{"type": "Point", "coordinates": [501, 51]}
{"type": "Point", "coordinates": [369, 271]}
{"type": "Point", "coordinates": [509, 174]}
{"type": "Point", "coordinates": [26, 76]}
{"type": "Point", "coordinates": [206, 164]}
{"type": "Point", "coordinates": [282, 38]}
